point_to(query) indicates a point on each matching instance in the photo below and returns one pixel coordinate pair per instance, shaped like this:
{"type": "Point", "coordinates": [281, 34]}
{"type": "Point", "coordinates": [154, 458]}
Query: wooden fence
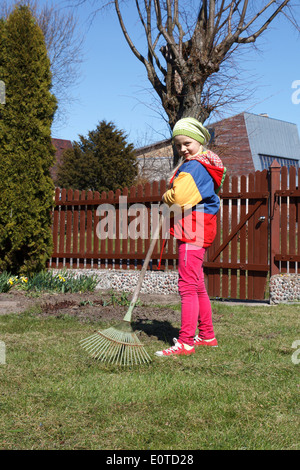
{"type": "Point", "coordinates": [76, 221]}
{"type": "Point", "coordinates": [258, 231]}
{"type": "Point", "coordinates": [284, 218]}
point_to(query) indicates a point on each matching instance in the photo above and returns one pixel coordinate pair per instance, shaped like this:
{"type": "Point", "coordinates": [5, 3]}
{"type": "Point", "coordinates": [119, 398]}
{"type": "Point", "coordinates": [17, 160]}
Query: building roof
{"type": "Point", "coordinates": [61, 145]}
{"type": "Point", "coordinates": [272, 137]}
{"type": "Point", "coordinates": [153, 147]}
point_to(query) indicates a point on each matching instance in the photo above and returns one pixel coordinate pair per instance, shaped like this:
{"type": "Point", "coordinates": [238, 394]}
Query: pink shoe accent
{"type": "Point", "coordinates": [202, 342]}
{"type": "Point", "coordinates": [177, 350]}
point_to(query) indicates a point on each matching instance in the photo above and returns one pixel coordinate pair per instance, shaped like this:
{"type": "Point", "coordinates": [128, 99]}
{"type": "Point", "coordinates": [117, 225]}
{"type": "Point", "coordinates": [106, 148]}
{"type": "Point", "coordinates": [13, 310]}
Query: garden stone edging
{"type": "Point", "coordinates": [154, 282]}
{"type": "Point", "coordinates": [284, 288]}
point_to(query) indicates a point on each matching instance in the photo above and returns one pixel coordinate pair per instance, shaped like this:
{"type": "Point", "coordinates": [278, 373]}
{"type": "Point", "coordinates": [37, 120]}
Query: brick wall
{"type": "Point", "coordinates": [231, 143]}
{"type": "Point", "coordinates": [60, 146]}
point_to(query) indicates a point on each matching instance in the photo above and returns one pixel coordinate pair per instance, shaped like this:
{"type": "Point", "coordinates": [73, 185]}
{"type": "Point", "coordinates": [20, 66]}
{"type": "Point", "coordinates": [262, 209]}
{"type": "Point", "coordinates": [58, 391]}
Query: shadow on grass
{"type": "Point", "coordinates": [162, 330]}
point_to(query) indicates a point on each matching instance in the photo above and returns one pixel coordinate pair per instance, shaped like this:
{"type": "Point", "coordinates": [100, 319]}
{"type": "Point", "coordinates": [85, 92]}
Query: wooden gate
{"type": "Point", "coordinates": [257, 233]}
{"type": "Point", "coordinates": [237, 264]}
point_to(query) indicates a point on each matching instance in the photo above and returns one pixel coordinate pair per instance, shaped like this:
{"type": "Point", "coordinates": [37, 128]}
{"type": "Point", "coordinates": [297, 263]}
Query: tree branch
{"type": "Point", "coordinates": [198, 63]}
{"type": "Point", "coordinates": [152, 75]}
{"type": "Point", "coordinates": [254, 36]}
{"type": "Point", "coordinates": [168, 33]}
{"type": "Point", "coordinates": [126, 35]}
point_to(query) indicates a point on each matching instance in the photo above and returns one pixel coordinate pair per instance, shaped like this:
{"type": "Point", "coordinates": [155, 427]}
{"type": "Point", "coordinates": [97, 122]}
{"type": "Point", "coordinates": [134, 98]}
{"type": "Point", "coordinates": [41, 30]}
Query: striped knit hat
{"type": "Point", "coordinates": [191, 128]}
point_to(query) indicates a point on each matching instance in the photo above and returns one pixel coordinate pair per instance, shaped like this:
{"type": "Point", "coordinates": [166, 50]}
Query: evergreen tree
{"type": "Point", "coordinates": [102, 161]}
{"type": "Point", "coordinates": [26, 151]}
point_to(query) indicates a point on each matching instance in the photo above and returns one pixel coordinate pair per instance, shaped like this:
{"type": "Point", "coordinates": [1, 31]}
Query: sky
{"type": "Point", "coordinates": [113, 83]}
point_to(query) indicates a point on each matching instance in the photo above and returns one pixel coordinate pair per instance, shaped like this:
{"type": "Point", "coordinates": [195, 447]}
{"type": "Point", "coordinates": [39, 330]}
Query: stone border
{"type": "Point", "coordinates": [155, 282]}
{"type": "Point", "coordinates": [284, 288]}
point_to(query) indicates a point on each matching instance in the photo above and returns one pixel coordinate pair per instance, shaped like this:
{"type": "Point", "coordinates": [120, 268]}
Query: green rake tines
{"type": "Point", "coordinates": [120, 344]}
{"type": "Point", "coordinates": [117, 345]}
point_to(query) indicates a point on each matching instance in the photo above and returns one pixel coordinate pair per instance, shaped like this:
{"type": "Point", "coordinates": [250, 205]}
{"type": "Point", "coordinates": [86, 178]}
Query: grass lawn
{"type": "Point", "coordinates": [242, 395]}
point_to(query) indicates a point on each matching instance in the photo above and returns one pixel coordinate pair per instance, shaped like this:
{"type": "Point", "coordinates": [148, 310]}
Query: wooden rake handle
{"type": "Point", "coordinates": [143, 270]}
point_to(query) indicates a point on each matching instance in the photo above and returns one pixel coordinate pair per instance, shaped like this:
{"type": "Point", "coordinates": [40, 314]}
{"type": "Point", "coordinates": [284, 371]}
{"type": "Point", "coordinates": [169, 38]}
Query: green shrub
{"type": "Point", "coordinates": [102, 161]}
{"type": "Point", "coordinates": [26, 150]}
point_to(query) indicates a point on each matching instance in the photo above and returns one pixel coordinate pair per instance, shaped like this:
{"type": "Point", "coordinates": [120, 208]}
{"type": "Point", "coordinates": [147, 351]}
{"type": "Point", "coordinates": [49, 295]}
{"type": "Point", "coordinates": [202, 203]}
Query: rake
{"type": "Point", "coordinates": [119, 344]}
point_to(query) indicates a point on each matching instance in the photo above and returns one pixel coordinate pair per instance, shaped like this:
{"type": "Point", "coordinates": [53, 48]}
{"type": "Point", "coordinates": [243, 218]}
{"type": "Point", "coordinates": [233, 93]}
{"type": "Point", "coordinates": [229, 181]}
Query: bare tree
{"type": "Point", "coordinates": [64, 42]}
{"type": "Point", "coordinates": [190, 47]}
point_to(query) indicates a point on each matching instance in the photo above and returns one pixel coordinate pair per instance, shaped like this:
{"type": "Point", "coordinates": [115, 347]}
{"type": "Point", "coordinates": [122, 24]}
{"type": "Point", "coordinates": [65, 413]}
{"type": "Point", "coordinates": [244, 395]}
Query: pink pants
{"type": "Point", "coordinates": [195, 303]}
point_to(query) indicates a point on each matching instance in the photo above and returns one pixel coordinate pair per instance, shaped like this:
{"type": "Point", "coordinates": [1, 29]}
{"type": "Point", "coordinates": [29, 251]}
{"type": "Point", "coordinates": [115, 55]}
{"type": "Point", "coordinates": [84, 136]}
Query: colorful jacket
{"type": "Point", "coordinates": [193, 198]}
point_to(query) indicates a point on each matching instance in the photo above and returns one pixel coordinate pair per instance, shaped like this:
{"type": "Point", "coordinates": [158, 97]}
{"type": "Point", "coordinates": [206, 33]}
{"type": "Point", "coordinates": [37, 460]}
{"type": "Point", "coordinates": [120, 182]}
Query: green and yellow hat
{"type": "Point", "coordinates": [191, 128]}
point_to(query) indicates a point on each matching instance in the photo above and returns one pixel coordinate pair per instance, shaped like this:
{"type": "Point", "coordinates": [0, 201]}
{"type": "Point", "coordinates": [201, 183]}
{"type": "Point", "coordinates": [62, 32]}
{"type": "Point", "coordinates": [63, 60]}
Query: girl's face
{"type": "Point", "coordinates": [186, 146]}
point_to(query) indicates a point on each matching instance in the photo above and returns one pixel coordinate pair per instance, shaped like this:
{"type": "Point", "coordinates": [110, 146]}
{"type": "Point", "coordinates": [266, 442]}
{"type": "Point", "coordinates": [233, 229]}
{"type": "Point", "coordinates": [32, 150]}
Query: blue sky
{"type": "Point", "coordinates": [114, 86]}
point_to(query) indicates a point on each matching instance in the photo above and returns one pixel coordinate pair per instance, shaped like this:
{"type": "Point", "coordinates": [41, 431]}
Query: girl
{"type": "Point", "coordinates": [194, 188]}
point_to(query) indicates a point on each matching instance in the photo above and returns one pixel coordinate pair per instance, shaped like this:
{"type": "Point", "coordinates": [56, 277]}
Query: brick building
{"type": "Point", "coordinates": [245, 142]}
{"type": "Point", "coordinates": [60, 145]}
